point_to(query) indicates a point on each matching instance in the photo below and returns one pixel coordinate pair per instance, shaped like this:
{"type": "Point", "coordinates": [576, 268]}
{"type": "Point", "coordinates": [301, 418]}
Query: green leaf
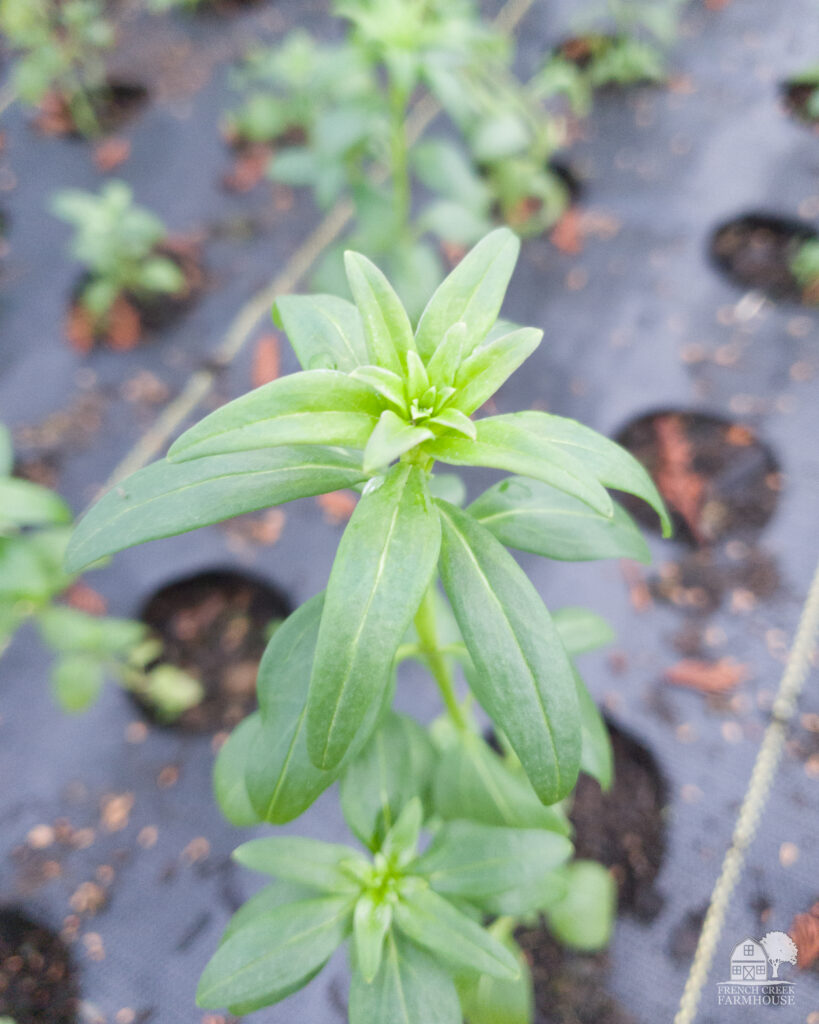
{"type": "Point", "coordinates": [487, 1000]}
{"type": "Point", "coordinates": [229, 783]}
{"type": "Point", "coordinates": [581, 630]}
{"type": "Point", "coordinates": [453, 419]}
{"type": "Point", "coordinates": [444, 168]}
{"type": "Point", "coordinates": [503, 443]}
{"type": "Point", "coordinates": [167, 498]}
{"type": "Point", "coordinates": [523, 677]}
{"type": "Point", "coordinates": [410, 987]}
{"type": "Point", "coordinates": [453, 221]}
{"type": "Point", "coordinates": [388, 384]}
{"type": "Point", "coordinates": [584, 918]}
{"type": "Point", "coordinates": [311, 407]}
{"type": "Point", "coordinates": [609, 462]}
{"type": "Point", "coordinates": [307, 862]}
{"type": "Point", "coordinates": [371, 922]}
{"type": "Point", "coordinates": [480, 376]}
{"type": "Point", "coordinates": [401, 842]}
{"type": "Point", "coordinates": [387, 327]}
{"type": "Point", "coordinates": [279, 894]}
{"type": "Point", "coordinates": [77, 681]}
{"type": "Point", "coordinates": [471, 861]}
{"type": "Point", "coordinates": [472, 781]}
{"type": "Point", "coordinates": [532, 516]}
{"type": "Point", "coordinates": [281, 779]}
{"type": "Point", "coordinates": [434, 923]}
{"type": "Point", "coordinates": [72, 631]}
{"type": "Point", "coordinates": [395, 766]}
{"type": "Point", "coordinates": [448, 486]}
{"type": "Point", "coordinates": [446, 359]}
{"type": "Point", "coordinates": [597, 758]}
{"type": "Point", "coordinates": [325, 331]}
{"type": "Point", "coordinates": [383, 567]}
{"type": "Point", "coordinates": [6, 451]}
{"type": "Point", "coordinates": [391, 438]}
{"type": "Point", "coordinates": [23, 503]}
{"type": "Point", "coordinates": [472, 293]}
{"type": "Point", "coordinates": [275, 955]}
{"type": "Point", "coordinates": [31, 565]}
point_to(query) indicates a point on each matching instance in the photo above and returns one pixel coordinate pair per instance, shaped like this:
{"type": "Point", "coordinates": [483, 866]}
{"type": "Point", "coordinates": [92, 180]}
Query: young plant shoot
{"type": "Point", "coordinates": [118, 243]}
{"type": "Point", "coordinates": [35, 524]}
{"type": "Point", "coordinates": [59, 48]}
{"type": "Point", "coordinates": [452, 833]}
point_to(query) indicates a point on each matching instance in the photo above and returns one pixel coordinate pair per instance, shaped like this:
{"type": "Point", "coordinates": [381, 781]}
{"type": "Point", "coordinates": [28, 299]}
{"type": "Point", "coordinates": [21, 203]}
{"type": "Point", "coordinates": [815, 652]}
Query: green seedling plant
{"type": "Point", "coordinates": [628, 41]}
{"type": "Point", "coordinates": [338, 113]}
{"type": "Point", "coordinates": [809, 78]}
{"type": "Point", "coordinates": [59, 48]}
{"type": "Point", "coordinates": [805, 268]}
{"type": "Point", "coordinates": [35, 524]}
{"type": "Point", "coordinates": [117, 242]}
{"type": "Point", "coordinates": [461, 840]}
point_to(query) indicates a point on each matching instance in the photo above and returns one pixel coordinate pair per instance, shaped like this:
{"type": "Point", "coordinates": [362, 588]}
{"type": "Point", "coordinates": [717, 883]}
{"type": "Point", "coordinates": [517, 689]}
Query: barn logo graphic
{"type": "Point", "coordinates": [754, 972]}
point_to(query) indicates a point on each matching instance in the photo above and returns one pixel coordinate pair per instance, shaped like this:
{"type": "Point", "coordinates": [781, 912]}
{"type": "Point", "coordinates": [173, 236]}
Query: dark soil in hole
{"type": "Point", "coordinates": [624, 828]}
{"type": "Point", "coordinates": [132, 316]}
{"type": "Point", "coordinates": [570, 988]}
{"type": "Point", "coordinates": [215, 626]}
{"type": "Point", "coordinates": [718, 479]}
{"type": "Point", "coordinates": [37, 982]}
{"type": "Point", "coordinates": [114, 106]}
{"type": "Point", "coordinates": [755, 251]}
{"type": "Point", "coordinates": [797, 96]}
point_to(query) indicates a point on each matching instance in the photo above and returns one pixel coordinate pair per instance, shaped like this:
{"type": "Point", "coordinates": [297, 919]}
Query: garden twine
{"type": "Point", "coordinates": [753, 804]}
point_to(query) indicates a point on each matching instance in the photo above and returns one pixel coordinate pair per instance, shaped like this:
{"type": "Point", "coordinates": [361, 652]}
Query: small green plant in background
{"type": "Point", "coordinates": [59, 47]}
{"type": "Point", "coordinates": [338, 115]}
{"type": "Point", "coordinates": [35, 525]}
{"type": "Point", "coordinates": [117, 242]}
{"type": "Point", "coordinates": [805, 268]}
{"type": "Point", "coordinates": [454, 832]}
{"type": "Point", "coordinates": [809, 79]}
{"type": "Point", "coordinates": [626, 41]}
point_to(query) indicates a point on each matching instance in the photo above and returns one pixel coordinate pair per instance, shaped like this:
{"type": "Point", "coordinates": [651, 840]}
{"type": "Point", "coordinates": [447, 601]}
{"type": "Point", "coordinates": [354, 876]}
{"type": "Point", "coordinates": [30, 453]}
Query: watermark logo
{"type": "Point", "coordinates": [754, 970]}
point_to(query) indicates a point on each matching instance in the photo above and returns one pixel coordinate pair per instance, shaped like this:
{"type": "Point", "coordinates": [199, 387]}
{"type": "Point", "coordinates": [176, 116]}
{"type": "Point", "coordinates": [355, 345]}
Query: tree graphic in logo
{"type": "Point", "coordinates": [779, 949]}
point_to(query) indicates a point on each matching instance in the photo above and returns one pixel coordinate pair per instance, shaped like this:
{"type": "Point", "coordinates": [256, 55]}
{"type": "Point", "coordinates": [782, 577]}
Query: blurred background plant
{"type": "Point", "coordinates": [59, 50]}
{"type": "Point", "coordinates": [117, 242]}
{"type": "Point", "coordinates": [805, 268]}
{"type": "Point", "coordinates": [35, 524]}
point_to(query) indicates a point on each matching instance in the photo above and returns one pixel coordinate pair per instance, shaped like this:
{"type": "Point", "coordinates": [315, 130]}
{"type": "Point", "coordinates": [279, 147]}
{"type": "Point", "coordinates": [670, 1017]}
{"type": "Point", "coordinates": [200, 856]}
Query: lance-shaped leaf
{"type": "Point", "coordinates": [472, 781]}
{"type": "Point", "coordinates": [387, 327]}
{"type": "Point", "coordinates": [311, 407]}
{"type": "Point", "coordinates": [410, 986]}
{"type": "Point", "coordinates": [383, 567]}
{"type": "Point", "coordinates": [230, 772]}
{"type": "Point", "coordinates": [447, 357]}
{"type": "Point", "coordinates": [473, 293]}
{"type": "Point", "coordinates": [168, 498]}
{"type": "Point", "coordinates": [434, 923]}
{"type": "Point", "coordinates": [454, 419]}
{"type": "Point", "coordinates": [502, 443]}
{"type": "Point", "coordinates": [597, 757]}
{"type": "Point", "coordinates": [371, 922]}
{"type": "Point", "coordinates": [480, 376]}
{"type": "Point", "coordinates": [325, 331]}
{"type": "Point", "coordinates": [275, 955]}
{"type": "Point", "coordinates": [612, 465]}
{"type": "Point", "coordinates": [391, 438]}
{"type": "Point", "coordinates": [278, 894]}
{"type": "Point", "coordinates": [581, 630]}
{"type": "Point", "coordinates": [523, 676]}
{"type": "Point", "coordinates": [281, 780]}
{"type": "Point", "coordinates": [395, 766]}
{"type": "Point", "coordinates": [532, 516]}
{"type": "Point", "coordinates": [304, 861]}
{"type": "Point", "coordinates": [584, 918]}
{"type": "Point", "coordinates": [388, 384]}
{"type": "Point", "coordinates": [487, 1000]}
{"type": "Point", "coordinates": [470, 861]}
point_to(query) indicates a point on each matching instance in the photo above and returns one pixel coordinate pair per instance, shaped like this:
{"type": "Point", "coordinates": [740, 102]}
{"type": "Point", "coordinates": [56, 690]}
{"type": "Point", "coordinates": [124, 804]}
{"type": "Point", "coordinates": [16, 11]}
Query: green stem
{"type": "Point", "coordinates": [399, 152]}
{"type": "Point", "coordinates": [438, 666]}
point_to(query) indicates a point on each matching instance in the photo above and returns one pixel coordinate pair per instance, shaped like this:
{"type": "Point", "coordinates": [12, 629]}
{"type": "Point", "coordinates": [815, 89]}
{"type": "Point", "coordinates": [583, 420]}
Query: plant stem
{"type": "Point", "coordinates": [399, 152]}
{"type": "Point", "coordinates": [428, 636]}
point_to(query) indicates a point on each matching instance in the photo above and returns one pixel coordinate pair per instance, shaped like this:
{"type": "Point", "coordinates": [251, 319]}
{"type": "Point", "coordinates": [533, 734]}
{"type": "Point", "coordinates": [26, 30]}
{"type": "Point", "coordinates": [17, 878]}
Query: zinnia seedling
{"type": "Point", "coordinates": [376, 406]}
